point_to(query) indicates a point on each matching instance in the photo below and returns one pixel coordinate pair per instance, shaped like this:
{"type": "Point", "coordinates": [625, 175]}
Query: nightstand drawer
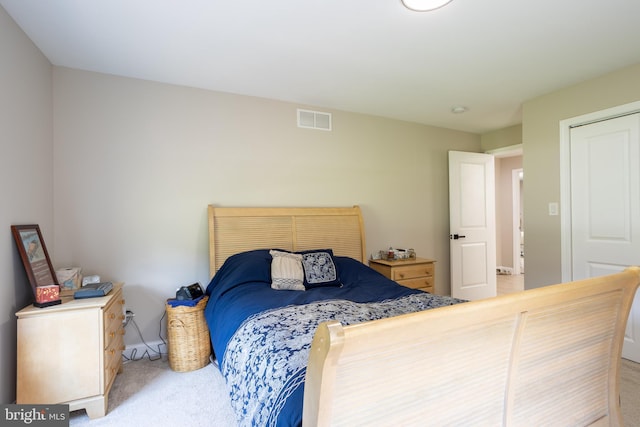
{"type": "Point", "coordinates": [412, 271]}
{"type": "Point", "coordinates": [418, 283]}
{"type": "Point", "coordinates": [416, 273]}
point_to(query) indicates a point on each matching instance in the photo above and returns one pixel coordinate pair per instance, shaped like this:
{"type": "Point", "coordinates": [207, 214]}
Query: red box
{"type": "Point", "coordinates": [47, 295]}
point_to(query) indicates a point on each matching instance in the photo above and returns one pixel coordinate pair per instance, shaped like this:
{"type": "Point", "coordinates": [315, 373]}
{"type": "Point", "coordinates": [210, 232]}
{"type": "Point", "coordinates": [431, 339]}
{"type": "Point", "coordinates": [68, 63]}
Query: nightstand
{"type": "Point", "coordinates": [70, 353]}
{"type": "Point", "coordinates": [416, 273]}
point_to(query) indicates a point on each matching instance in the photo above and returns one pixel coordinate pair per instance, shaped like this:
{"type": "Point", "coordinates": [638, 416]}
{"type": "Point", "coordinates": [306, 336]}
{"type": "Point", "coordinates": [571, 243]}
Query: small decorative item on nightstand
{"type": "Point", "coordinates": [70, 279]}
{"type": "Point", "coordinates": [47, 294]}
{"type": "Point", "coordinates": [37, 264]}
{"type": "Point", "coordinates": [396, 254]}
{"type": "Point", "coordinates": [416, 273]}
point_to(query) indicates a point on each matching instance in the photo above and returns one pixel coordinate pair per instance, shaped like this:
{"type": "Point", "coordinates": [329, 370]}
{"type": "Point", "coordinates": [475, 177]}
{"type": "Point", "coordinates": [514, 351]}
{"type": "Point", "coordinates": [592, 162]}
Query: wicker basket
{"type": "Point", "coordinates": [188, 336]}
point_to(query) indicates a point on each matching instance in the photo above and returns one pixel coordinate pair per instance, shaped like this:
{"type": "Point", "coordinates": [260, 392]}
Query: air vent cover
{"type": "Point", "coordinates": [314, 120]}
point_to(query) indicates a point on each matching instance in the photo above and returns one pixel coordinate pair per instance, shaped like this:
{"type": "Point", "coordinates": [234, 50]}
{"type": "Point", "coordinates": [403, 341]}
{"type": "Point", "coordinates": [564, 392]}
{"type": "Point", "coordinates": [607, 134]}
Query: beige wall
{"type": "Point", "coordinates": [136, 163]}
{"type": "Point", "coordinates": [502, 138]}
{"type": "Point", "coordinates": [541, 139]}
{"type": "Point", "coordinates": [26, 175]}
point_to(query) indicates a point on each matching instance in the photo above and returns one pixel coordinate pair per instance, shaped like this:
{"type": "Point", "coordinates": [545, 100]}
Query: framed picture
{"type": "Point", "coordinates": [37, 264]}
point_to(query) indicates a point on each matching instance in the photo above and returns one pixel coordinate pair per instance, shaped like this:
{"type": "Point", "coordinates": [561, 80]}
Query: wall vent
{"type": "Point", "coordinates": [314, 120]}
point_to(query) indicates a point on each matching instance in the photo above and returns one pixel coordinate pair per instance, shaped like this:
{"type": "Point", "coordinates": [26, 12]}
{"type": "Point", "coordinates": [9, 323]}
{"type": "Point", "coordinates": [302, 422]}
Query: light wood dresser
{"type": "Point", "coordinates": [70, 353]}
{"type": "Point", "coordinates": [417, 273]}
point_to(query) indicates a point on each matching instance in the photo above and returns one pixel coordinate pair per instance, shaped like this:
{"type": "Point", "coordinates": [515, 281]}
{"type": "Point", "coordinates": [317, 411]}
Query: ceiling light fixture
{"type": "Point", "coordinates": [424, 5]}
{"type": "Point", "coordinates": [459, 109]}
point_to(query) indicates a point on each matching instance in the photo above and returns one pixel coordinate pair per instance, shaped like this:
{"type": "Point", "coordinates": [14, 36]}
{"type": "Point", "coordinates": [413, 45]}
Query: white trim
{"type": "Point", "coordinates": [150, 350]}
{"type": "Point", "coordinates": [510, 151]}
{"type": "Point", "coordinates": [565, 176]}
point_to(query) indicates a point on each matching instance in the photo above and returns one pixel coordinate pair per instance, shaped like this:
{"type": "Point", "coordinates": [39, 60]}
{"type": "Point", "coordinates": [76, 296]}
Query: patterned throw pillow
{"type": "Point", "coordinates": [286, 271]}
{"type": "Point", "coordinates": [319, 269]}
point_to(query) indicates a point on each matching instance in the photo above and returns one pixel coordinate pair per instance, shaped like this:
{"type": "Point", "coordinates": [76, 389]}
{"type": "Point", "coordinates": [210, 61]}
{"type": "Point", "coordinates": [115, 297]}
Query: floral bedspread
{"type": "Point", "coordinates": [265, 360]}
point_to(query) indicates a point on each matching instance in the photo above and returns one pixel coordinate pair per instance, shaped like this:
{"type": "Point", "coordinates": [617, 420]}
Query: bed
{"type": "Point", "coordinates": [366, 351]}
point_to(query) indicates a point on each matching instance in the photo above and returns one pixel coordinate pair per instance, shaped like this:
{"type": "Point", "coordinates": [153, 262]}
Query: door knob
{"type": "Point", "coordinates": [456, 236]}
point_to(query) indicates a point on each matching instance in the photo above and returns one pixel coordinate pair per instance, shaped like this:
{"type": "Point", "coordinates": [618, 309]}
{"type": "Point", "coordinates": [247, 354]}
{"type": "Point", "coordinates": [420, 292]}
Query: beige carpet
{"type": "Point", "coordinates": [630, 393]}
{"type": "Point", "coordinates": [149, 393]}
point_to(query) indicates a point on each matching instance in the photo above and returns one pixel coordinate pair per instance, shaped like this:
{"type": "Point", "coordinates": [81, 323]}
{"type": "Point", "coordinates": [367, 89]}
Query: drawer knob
{"type": "Point", "coordinates": [401, 275]}
{"type": "Point", "coordinates": [112, 316]}
{"type": "Point", "coordinates": [112, 334]}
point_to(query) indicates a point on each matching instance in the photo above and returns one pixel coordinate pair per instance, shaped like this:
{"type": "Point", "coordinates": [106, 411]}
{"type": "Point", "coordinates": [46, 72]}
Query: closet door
{"type": "Point", "coordinates": [605, 205]}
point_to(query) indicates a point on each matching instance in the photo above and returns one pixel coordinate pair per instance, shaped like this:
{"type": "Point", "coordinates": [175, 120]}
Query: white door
{"type": "Point", "coordinates": [605, 205]}
{"type": "Point", "coordinates": [472, 225]}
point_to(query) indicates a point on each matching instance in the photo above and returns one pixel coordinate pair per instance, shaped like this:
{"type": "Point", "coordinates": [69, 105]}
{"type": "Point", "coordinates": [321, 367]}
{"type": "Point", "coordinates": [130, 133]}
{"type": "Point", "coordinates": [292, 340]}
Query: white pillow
{"type": "Point", "coordinates": [286, 271]}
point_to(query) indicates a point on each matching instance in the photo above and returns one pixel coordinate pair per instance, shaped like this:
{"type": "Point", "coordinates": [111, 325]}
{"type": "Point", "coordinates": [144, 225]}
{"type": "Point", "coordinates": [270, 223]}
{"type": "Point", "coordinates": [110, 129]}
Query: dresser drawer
{"type": "Point", "coordinates": [411, 271]}
{"type": "Point", "coordinates": [113, 318]}
{"type": "Point", "coordinates": [113, 337]}
{"type": "Point", "coordinates": [113, 359]}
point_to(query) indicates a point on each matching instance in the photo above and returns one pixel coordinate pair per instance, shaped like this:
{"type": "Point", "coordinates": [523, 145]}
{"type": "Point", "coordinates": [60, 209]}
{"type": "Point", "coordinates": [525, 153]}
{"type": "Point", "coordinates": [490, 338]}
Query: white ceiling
{"type": "Point", "coordinates": [368, 56]}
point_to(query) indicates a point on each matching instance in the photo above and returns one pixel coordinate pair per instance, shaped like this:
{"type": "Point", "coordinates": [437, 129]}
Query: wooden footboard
{"type": "Point", "coordinates": [549, 356]}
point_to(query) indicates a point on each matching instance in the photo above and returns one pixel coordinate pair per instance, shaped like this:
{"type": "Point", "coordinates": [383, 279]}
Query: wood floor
{"type": "Point", "coordinates": [509, 283]}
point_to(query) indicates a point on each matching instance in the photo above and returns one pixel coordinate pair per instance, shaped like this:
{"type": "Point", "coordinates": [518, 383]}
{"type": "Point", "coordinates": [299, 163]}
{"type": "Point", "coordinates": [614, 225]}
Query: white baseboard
{"type": "Point", "coordinates": [150, 350]}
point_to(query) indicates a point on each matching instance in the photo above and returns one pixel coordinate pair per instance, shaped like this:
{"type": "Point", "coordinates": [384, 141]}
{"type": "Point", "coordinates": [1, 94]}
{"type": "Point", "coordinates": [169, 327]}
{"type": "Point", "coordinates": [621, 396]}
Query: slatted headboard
{"type": "Point", "coordinates": [234, 230]}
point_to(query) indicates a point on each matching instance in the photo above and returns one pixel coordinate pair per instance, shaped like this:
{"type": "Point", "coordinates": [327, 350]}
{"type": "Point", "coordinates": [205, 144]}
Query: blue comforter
{"type": "Point", "coordinates": [261, 336]}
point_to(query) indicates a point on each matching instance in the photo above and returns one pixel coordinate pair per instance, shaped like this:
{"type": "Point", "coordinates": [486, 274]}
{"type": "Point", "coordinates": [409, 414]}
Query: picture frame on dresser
{"type": "Point", "coordinates": [37, 264]}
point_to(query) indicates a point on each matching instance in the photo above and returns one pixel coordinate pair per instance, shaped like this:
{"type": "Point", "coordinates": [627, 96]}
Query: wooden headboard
{"type": "Point", "coordinates": [234, 230]}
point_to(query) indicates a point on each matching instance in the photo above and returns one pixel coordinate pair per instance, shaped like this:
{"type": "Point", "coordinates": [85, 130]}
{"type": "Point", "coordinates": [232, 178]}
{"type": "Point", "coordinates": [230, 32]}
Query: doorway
{"type": "Point", "coordinates": [509, 230]}
{"type": "Point", "coordinates": [517, 224]}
